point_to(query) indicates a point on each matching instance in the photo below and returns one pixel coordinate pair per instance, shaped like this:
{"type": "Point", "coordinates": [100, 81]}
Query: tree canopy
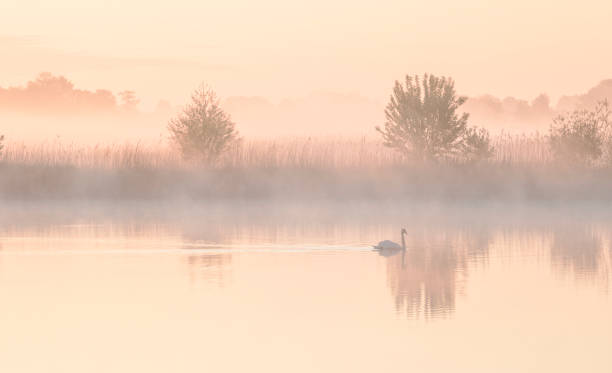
{"type": "Point", "coordinates": [203, 130]}
{"type": "Point", "coordinates": [423, 122]}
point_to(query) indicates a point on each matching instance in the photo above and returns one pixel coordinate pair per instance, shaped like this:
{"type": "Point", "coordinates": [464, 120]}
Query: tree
{"type": "Point", "coordinates": [423, 124]}
{"type": "Point", "coordinates": [580, 137]}
{"type": "Point", "coordinates": [203, 130]}
{"type": "Point", "coordinates": [129, 101]}
{"type": "Point", "coordinates": [1, 144]}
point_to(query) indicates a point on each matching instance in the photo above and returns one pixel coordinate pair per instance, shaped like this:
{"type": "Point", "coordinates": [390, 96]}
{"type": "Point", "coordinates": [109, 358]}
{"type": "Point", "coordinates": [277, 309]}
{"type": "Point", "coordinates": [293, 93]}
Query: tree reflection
{"type": "Point", "coordinates": [426, 279]}
{"type": "Point", "coordinates": [581, 251]}
{"type": "Point", "coordinates": [210, 268]}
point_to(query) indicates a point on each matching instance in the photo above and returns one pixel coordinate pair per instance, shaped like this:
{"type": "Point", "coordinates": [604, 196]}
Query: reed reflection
{"type": "Point", "coordinates": [426, 278]}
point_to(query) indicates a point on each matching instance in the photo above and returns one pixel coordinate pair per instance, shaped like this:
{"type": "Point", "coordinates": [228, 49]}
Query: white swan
{"type": "Point", "coordinates": [389, 248]}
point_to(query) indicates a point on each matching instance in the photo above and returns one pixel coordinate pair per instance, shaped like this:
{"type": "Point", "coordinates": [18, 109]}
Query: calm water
{"type": "Point", "coordinates": [243, 290]}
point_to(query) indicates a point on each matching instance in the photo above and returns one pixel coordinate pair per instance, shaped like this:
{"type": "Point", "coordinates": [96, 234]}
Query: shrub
{"type": "Point", "coordinates": [477, 144]}
{"type": "Point", "coordinates": [580, 137]}
{"type": "Point", "coordinates": [423, 124]}
{"type": "Point", "coordinates": [203, 130]}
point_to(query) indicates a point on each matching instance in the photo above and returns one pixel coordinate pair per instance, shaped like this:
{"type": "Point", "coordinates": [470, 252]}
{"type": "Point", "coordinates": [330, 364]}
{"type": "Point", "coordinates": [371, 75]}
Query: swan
{"type": "Point", "coordinates": [387, 248]}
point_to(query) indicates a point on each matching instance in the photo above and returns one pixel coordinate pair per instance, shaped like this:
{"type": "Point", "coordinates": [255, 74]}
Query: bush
{"type": "Point", "coordinates": [580, 137]}
{"type": "Point", "coordinates": [477, 144]}
{"type": "Point", "coordinates": [203, 130]}
{"type": "Point", "coordinates": [423, 124]}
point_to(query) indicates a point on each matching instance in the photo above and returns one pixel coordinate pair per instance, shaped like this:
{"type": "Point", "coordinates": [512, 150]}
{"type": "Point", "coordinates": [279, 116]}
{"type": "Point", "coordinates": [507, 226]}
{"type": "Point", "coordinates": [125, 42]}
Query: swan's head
{"type": "Point", "coordinates": [404, 231]}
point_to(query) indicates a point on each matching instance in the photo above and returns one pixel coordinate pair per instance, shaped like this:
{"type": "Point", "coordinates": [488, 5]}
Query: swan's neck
{"type": "Point", "coordinates": [403, 241]}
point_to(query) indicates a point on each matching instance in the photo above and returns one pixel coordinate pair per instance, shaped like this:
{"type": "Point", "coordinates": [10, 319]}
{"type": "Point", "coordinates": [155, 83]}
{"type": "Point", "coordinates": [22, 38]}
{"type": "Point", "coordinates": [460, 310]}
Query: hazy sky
{"type": "Point", "coordinates": [278, 48]}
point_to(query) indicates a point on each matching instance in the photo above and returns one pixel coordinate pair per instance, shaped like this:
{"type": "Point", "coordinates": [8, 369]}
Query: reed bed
{"type": "Point", "coordinates": [521, 149]}
{"type": "Point", "coordinates": [294, 169]}
{"type": "Point", "coordinates": [258, 154]}
{"type": "Point", "coordinates": [113, 156]}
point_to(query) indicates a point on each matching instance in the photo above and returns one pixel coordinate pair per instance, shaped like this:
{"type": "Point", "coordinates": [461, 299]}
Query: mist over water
{"type": "Point", "coordinates": [89, 286]}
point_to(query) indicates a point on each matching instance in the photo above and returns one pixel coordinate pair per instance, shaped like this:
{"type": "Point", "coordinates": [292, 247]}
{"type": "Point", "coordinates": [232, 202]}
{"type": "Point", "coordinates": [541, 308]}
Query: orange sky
{"type": "Point", "coordinates": [279, 49]}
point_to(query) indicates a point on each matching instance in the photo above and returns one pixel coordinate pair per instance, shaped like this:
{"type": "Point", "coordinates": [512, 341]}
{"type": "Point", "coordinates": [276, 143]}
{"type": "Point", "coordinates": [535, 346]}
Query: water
{"type": "Point", "coordinates": [301, 290]}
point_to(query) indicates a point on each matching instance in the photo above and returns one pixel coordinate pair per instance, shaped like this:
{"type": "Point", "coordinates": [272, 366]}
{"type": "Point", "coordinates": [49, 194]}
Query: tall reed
{"type": "Point", "coordinates": [287, 153]}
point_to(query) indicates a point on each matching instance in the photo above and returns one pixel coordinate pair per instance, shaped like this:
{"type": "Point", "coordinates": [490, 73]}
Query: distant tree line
{"type": "Point", "coordinates": [422, 121]}
{"type": "Point", "coordinates": [56, 94]}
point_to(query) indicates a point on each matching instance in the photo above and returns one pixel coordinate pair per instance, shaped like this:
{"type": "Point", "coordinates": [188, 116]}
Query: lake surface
{"type": "Point", "coordinates": [254, 288]}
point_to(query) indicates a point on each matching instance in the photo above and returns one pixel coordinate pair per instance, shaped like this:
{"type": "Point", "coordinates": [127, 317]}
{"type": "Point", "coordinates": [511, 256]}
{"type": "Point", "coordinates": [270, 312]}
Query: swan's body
{"type": "Point", "coordinates": [390, 248]}
{"type": "Point", "coordinates": [388, 245]}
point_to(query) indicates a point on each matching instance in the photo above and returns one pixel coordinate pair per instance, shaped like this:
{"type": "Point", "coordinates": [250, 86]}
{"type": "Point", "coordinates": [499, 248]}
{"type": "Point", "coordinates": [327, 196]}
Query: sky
{"type": "Point", "coordinates": [280, 49]}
